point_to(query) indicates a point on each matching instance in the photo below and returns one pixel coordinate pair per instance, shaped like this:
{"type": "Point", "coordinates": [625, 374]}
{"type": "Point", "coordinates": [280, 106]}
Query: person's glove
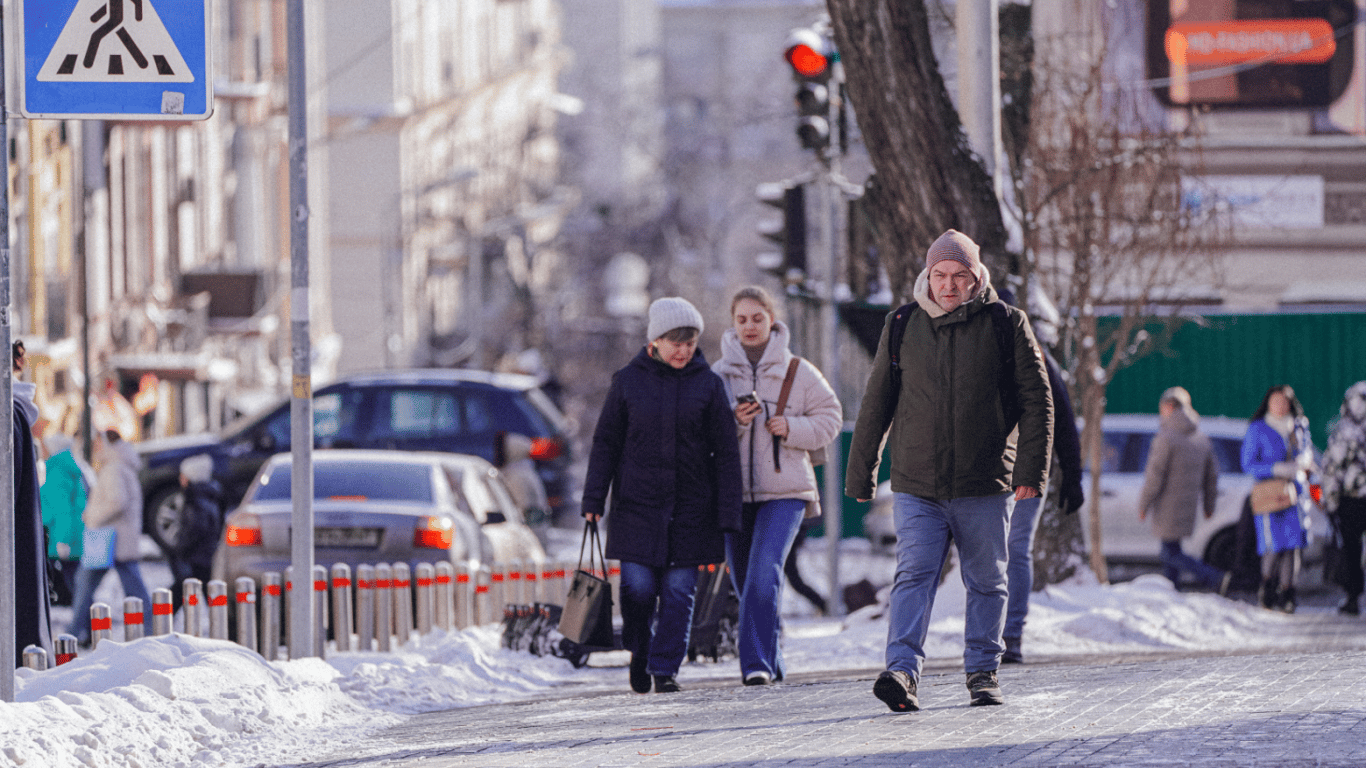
{"type": "Point", "coordinates": [1071, 498]}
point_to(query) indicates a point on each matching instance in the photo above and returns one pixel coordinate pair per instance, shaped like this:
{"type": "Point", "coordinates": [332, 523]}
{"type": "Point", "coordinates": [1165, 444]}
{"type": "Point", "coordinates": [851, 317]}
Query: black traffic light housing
{"type": "Point", "coordinates": [811, 54]}
{"type": "Point", "coordinates": [789, 233]}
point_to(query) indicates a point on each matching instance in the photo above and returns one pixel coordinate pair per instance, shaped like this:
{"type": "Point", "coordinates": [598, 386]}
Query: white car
{"type": "Point", "coordinates": [1127, 539]}
{"type": "Point", "coordinates": [1124, 538]}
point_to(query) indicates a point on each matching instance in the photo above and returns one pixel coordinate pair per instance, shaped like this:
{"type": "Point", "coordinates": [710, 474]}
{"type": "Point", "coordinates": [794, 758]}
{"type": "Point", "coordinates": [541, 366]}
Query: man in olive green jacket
{"type": "Point", "coordinates": [957, 465]}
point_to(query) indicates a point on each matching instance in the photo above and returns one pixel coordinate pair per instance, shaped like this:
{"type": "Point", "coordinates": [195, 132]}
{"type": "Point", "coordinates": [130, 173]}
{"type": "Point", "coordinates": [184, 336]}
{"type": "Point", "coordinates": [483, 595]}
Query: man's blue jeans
{"type": "Point", "coordinates": [756, 556]}
{"type": "Point", "coordinates": [88, 581]}
{"type": "Point", "coordinates": [662, 638]}
{"type": "Point", "coordinates": [924, 529]}
{"type": "Point", "coordinates": [1024, 521]}
{"type": "Point", "coordinates": [1174, 561]}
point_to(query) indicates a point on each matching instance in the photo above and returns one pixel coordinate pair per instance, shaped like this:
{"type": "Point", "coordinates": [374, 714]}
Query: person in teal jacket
{"type": "Point", "coordinates": [63, 497]}
{"type": "Point", "coordinates": [1277, 445]}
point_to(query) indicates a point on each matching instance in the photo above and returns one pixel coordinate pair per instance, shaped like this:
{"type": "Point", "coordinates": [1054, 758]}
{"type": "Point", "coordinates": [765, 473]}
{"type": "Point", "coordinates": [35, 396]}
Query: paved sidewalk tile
{"type": "Point", "coordinates": [1297, 710]}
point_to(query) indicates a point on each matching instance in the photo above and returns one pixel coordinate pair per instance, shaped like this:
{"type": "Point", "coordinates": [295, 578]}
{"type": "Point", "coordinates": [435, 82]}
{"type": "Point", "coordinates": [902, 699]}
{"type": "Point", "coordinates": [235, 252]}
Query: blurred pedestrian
{"type": "Point", "coordinates": [116, 502]}
{"type": "Point", "coordinates": [665, 449]}
{"type": "Point", "coordinates": [1180, 475]}
{"type": "Point", "coordinates": [946, 400]}
{"type": "Point", "coordinates": [201, 525]}
{"type": "Point", "coordinates": [1277, 445]}
{"type": "Point", "coordinates": [762, 375]}
{"type": "Point", "coordinates": [63, 496]}
{"type": "Point", "coordinates": [512, 456]}
{"type": "Point", "coordinates": [32, 620]}
{"type": "Point", "coordinates": [1064, 472]}
{"type": "Point", "coordinates": [1344, 490]}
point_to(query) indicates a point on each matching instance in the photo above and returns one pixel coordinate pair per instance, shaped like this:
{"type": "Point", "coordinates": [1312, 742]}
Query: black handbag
{"type": "Point", "coordinates": [587, 616]}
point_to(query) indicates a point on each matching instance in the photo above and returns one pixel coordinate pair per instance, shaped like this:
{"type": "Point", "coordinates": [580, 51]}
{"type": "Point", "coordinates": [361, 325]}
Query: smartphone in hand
{"type": "Point", "coordinates": [751, 397]}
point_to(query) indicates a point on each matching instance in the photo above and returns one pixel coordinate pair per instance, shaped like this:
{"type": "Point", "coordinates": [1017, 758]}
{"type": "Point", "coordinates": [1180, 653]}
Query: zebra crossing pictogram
{"type": "Point", "coordinates": [107, 41]}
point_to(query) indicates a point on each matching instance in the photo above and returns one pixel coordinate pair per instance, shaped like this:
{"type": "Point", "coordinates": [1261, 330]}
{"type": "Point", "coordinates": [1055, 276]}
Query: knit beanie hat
{"type": "Point", "coordinates": [197, 468]}
{"type": "Point", "coordinates": [669, 313]}
{"type": "Point", "coordinates": [956, 246]}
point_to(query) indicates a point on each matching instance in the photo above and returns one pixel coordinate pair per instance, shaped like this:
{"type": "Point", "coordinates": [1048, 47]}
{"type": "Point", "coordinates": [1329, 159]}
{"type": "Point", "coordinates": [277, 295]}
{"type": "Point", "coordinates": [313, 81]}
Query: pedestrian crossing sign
{"type": "Point", "coordinates": [115, 59]}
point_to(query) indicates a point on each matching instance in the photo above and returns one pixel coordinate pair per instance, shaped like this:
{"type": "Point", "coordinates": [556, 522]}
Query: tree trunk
{"type": "Point", "coordinates": [928, 180]}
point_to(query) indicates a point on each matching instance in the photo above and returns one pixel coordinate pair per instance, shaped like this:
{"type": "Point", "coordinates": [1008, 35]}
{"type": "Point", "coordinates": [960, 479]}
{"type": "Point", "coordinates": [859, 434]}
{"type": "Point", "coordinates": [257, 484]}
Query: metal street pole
{"type": "Point", "coordinates": [833, 492]}
{"type": "Point", "coordinates": [8, 629]}
{"type": "Point", "coordinates": [301, 628]}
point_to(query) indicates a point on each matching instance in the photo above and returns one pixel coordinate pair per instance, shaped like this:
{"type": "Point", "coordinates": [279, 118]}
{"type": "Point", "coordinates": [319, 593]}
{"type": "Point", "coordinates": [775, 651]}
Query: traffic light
{"type": "Point", "coordinates": [811, 54]}
{"type": "Point", "coordinates": [789, 232]}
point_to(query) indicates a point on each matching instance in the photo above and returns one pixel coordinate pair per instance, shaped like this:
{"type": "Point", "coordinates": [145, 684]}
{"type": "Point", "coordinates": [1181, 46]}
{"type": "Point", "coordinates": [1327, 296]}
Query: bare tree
{"type": "Point", "coordinates": [1106, 233]}
{"type": "Point", "coordinates": [928, 179]}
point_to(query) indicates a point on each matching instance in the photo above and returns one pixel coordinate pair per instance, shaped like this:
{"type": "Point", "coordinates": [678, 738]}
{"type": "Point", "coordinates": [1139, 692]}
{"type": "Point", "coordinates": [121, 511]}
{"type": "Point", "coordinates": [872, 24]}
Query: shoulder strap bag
{"type": "Point", "coordinates": [587, 615]}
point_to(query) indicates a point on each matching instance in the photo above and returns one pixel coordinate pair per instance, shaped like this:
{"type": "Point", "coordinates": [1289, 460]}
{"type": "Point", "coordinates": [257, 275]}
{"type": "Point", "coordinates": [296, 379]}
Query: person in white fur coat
{"type": "Point", "coordinates": [779, 481]}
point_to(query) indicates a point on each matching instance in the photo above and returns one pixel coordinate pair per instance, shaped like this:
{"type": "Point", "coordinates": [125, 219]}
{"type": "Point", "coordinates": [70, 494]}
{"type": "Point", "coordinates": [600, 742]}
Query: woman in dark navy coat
{"type": "Point", "coordinates": [665, 448]}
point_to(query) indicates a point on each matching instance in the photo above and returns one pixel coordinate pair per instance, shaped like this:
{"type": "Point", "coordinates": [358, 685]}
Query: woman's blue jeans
{"type": "Point", "coordinates": [756, 556]}
{"type": "Point", "coordinates": [88, 580]}
{"type": "Point", "coordinates": [661, 636]}
{"type": "Point", "coordinates": [924, 529]}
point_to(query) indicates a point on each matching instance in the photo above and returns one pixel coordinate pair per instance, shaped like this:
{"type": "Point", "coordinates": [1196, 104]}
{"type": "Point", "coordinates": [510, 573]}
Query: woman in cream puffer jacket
{"type": "Point", "coordinates": [779, 482]}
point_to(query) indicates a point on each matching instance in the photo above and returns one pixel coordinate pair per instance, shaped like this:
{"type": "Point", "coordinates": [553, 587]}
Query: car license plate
{"type": "Point", "coordinates": [346, 537]}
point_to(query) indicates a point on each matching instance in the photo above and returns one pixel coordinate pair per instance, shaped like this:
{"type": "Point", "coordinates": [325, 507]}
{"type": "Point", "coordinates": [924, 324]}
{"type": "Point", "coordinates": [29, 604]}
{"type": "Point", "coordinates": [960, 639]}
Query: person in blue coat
{"type": "Point", "coordinates": [1277, 445]}
{"type": "Point", "coordinates": [666, 451]}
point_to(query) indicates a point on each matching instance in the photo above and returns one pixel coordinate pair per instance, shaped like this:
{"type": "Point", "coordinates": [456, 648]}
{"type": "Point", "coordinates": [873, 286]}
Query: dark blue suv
{"type": "Point", "coordinates": [456, 411]}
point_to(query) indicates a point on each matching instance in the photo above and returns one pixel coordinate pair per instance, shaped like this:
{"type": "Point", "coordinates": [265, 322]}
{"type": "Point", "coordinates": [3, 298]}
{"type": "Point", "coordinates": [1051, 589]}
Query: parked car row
{"type": "Point", "coordinates": [454, 411]}
{"type": "Point", "coordinates": [1125, 538]}
{"type": "Point", "coordinates": [378, 506]}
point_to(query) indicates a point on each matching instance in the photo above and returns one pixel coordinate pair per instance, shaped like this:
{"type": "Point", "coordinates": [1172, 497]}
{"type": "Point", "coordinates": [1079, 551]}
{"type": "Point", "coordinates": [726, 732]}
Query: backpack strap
{"type": "Point", "coordinates": [782, 404]}
{"type": "Point", "coordinates": [898, 332]}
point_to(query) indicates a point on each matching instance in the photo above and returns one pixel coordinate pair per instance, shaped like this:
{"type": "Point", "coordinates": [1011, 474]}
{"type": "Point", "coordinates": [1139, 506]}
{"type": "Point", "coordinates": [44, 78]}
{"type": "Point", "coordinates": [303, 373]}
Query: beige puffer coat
{"type": "Point", "coordinates": [1181, 472]}
{"type": "Point", "coordinates": [116, 499]}
{"type": "Point", "coordinates": [813, 413]}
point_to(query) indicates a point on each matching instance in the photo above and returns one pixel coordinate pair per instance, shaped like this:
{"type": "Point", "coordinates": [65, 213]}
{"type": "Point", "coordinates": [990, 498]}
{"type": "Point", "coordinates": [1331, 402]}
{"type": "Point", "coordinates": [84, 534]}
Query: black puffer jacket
{"type": "Point", "coordinates": [948, 437]}
{"type": "Point", "coordinates": [666, 449]}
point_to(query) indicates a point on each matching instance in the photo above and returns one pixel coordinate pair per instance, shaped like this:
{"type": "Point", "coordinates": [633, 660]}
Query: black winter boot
{"type": "Point", "coordinates": [1285, 601]}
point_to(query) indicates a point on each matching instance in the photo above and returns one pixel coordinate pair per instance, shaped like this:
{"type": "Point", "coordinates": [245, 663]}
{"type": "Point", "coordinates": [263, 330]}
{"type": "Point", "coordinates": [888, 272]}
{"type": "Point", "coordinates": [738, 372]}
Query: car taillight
{"type": "Point", "coordinates": [545, 448]}
{"type": "Point", "coordinates": [243, 529]}
{"type": "Point", "coordinates": [434, 532]}
{"type": "Point", "coordinates": [1316, 493]}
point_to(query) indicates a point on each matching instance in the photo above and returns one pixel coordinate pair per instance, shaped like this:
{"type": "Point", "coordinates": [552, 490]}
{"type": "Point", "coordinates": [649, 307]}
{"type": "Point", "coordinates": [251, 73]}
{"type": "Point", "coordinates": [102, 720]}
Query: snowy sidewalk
{"type": "Point", "coordinates": [1282, 710]}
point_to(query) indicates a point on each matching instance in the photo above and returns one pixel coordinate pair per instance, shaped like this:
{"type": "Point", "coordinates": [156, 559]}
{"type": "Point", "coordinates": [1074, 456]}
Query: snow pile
{"type": "Point", "coordinates": [196, 703]}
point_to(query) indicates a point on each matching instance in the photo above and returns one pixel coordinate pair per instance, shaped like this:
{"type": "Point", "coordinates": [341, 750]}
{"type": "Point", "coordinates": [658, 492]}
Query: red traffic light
{"type": "Point", "coordinates": [806, 62]}
{"type": "Point", "coordinates": [808, 53]}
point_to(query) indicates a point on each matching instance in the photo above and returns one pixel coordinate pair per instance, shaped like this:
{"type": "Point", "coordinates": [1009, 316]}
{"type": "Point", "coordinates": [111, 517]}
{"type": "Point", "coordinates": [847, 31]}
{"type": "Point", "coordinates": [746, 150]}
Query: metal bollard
{"type": "Point", "coordinates": [424, 580]}
{"type": "Point", "coordinates": [246, 611]}
{"type": "Point", "coordinates": [403, 603]}
{"type": "Point", "coordinates": [384, 606]}
{"type": "Point", "coordinates": [101, 624]}
{"type": "Point", "coordinates": [483, 600]}
{"type": "Point", "coordinates": [320, 611]}
{"type": "Point", "coordinates": [133, 628]}
{"type": "Point", "coordinates": [444, 595]}
{"type": "Point", "coordinates": [464, 596]}
{"type": "Point", "coordinates": [498, 592]}
{"type": "Point", "coordinates": [270, 615]}
{"type": "Point", "coordinates": [218, 609]}
{"type": "Point", "coordinates": [515, 583]}
{"type": "Point", "coordinates": [365, 607]}
{"type": "Point", "coordinates": [35, 658]}
{"type": "Point", "coordinates": [614, 578]}
{"type": "Point", "coordinates": [193, 590]}
{"type": "Point", "coordinates": [161, 612]}
{"type": "Point", "coordinates": [341, 606]}
{"type": "Point", "coordinates": [289, 612]}
{"type": "Point", "coordinates": [66, 648]}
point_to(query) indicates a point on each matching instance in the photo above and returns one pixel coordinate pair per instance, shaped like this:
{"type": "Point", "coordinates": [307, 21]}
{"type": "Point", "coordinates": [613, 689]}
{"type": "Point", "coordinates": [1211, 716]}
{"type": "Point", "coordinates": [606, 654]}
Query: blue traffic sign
{"type": "Point", "coordinates": [115, 59]}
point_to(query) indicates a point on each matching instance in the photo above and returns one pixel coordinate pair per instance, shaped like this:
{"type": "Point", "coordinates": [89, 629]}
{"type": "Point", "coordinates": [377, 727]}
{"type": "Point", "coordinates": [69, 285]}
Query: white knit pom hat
{"type": "Point", "coordinates": [669, 313]}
